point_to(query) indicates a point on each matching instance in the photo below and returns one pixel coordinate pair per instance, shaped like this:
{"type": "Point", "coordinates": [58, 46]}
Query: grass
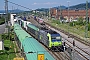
{"type": "Point", "coordinates": [76, 30]}
{"type": "Point", "coordinates": [8, 55]}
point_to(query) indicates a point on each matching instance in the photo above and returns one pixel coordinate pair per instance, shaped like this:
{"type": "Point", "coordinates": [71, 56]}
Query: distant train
{"type": "Point", "coordinates": [48, 37]}
{"type": "Point", "coordinates": [39, 20]}
{"type": "Point", "coordinates": [23, 18]}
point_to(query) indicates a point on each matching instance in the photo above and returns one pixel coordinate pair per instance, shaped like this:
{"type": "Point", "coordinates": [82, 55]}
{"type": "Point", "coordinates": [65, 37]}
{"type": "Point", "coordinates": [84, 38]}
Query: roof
{"type": "Point", "coordinates": [33, 27]}
{"type": "Point", "coordinates": [32, 45]}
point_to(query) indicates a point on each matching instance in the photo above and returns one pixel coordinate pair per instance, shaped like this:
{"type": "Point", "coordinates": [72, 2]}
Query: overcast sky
{"type": "Point", "coordinates": [34, 4]}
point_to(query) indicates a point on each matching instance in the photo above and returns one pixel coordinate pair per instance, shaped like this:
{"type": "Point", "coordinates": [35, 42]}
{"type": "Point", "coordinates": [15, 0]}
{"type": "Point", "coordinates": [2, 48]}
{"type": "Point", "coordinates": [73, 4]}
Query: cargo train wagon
{"type": "Point", "coordinates": [29, 47]}
{"type": "Point", "coordinates": [49, 38]}
{"type": "Point", "coordinates": [39, 20]}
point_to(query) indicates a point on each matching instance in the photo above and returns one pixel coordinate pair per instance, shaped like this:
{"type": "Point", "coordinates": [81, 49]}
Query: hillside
{"type": "Point", "coordinates": [80, 6]}
{"type": "Point", "coordinates": [12, 11]}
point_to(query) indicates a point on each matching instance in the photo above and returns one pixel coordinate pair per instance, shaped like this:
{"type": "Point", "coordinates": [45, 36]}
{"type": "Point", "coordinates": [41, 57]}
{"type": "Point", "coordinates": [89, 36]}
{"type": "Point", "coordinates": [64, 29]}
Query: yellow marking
{"type": "Point", "coordinates": [40, 56]}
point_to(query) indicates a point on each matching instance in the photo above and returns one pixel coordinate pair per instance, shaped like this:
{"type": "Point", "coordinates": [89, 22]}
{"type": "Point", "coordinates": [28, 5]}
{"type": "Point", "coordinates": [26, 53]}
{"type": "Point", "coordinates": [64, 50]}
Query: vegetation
{"type": "Point", "coordinates": [8, 53]}
{"type": "Point", "coordinates": [83, 5]}
{"type": "Point", "coordinates": [76, 28]}
{"type": "Point", "coordinates": [2, 20]}
{"type": "Point", "coordinates": [89, 27]}
{"type": "Point", "coordinates": [5, 36]}
{"type": "Point", "coordinates": [80, 22]}
{"type": "Point", "coordinates": [56, 21]}
{"type": "Point", "coordinates": [9, 46]}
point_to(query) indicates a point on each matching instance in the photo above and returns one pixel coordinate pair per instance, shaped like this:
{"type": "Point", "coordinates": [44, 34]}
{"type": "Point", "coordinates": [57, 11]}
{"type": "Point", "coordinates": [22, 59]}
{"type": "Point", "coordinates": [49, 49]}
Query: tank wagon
{"type": "Point", "coordinates": [30, 47]}
{"type": "Point", "coordinates": [49, 38]}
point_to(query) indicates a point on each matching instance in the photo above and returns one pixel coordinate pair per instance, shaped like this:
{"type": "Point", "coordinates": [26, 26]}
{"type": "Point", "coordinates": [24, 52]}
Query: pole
{"type": "Point", "coordinates": [68, 19]}
{"type": "Point", "coordinates": [49, 14]}
{"type": "Point", "coordinates": [86, 27]}
{"type": "Point", "coordinates": [60, 12]}
{"type": "Point", "coordinates": [64, 49]}
{"type": "Point", "coordinates": [12, 9]}
{"type": "Point", "coordinates": [5, 13]}
{"type": "Point", "coordinates": [73, 50]}
{"type": "Point", "coordinates": [68, 12]}
{"type": "Point", "coordinates": [6, 10]}
{"type": "Point", "coordinates": [6, 18]}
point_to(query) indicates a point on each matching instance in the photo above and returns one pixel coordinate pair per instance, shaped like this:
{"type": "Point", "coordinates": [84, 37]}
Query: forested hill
{"type": "Point", "coordinates": [80, 6]}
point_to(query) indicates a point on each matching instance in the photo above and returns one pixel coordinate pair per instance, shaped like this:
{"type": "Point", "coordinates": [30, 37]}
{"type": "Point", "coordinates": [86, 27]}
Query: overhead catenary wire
{"type": "Point", "coordinates": [19, 5]}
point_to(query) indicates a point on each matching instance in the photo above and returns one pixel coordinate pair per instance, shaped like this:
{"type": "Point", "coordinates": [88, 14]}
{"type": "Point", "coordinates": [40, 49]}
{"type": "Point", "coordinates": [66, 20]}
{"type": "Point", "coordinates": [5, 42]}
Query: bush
{"type": "Point", "coordinates": [5, 36]}
{"type": "Point", "coordinates": [72, 23]}
{"type": "Point", "coordinates": [2, 21]}
{"type": "Point", "coordinates": [56, 21]}
{"type": "Point", "coordinates": [80, 21]}
{"type": "Point", "coordinates": [89, 27]}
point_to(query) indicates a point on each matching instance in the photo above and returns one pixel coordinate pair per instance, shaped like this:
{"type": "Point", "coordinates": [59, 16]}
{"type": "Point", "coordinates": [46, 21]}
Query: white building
{"type": "Point", "coordinates": [12, 19]}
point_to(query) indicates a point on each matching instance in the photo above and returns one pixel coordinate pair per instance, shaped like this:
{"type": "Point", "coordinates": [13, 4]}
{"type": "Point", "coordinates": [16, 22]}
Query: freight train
{"type": "Point", "coordinates": [39, 20]}
{"type": "Point", "coordinates": [30, 47]}
{"type": "Point", "coordinates": [48, 37]}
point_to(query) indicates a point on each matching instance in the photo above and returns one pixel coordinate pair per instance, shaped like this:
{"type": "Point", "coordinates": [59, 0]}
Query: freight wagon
{"type": "Point", "coordinates": [30, 47]}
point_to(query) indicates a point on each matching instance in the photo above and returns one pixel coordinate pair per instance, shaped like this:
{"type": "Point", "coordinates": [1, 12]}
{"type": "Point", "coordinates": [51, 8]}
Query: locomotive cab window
{"type": "Point", "coordinates": [54, 39]}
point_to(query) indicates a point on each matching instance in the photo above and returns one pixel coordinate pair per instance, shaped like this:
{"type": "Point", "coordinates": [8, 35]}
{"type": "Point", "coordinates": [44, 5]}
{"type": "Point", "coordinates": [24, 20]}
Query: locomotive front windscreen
{"type": "Point", "coordinates": [55, 38]}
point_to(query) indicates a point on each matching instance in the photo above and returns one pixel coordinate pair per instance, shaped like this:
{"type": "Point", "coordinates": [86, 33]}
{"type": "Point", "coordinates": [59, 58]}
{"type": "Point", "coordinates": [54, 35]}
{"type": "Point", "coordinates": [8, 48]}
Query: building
{"type": "Point", "coordinates": [69, 14]}
{"type": "Point", "coordinates": [12, 19]}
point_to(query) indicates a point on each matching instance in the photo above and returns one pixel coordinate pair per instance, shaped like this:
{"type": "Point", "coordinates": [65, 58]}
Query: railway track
{"type": "Point", "coordinates": [56, 55]}
{"type": "Point", "coordinates": [84, 53]}
{"type": "Point", "coordinates": [79, 50]}
{"type": "Point", "coordinates": [71, 35]}
{"type": "Point", "coordinates": [60, 56]}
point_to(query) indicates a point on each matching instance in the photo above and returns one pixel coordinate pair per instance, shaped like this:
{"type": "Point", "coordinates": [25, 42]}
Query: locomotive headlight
{"type": "Point", "coordinates": [52, 44]}
{"type": "Point", "coordinates": [59, 44]}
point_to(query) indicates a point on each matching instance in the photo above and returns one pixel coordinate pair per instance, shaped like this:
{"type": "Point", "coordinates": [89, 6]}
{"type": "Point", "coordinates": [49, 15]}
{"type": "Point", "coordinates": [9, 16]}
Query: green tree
{"type": "Point", "coordinates": [72, 23]}
{"type": "Point", "coordinates": [80, 21]}
{"type": "Point", "coordinates": [2, 20]}
{"type": "Point", "coordinates": [89, 27]}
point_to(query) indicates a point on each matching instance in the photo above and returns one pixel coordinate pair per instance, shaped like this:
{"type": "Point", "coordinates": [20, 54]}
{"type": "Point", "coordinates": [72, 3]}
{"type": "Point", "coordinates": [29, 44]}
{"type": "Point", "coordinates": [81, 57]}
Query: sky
{"type": "Point", "coordinates": [34, 4]}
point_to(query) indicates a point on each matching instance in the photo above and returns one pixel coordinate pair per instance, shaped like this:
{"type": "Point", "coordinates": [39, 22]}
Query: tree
{"type": "Point", "coordinates": [89, 27]}
{"type": "Point", "coordinates": [80, 21]}
{"type": "Point", "coordinates": [2, 20]}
